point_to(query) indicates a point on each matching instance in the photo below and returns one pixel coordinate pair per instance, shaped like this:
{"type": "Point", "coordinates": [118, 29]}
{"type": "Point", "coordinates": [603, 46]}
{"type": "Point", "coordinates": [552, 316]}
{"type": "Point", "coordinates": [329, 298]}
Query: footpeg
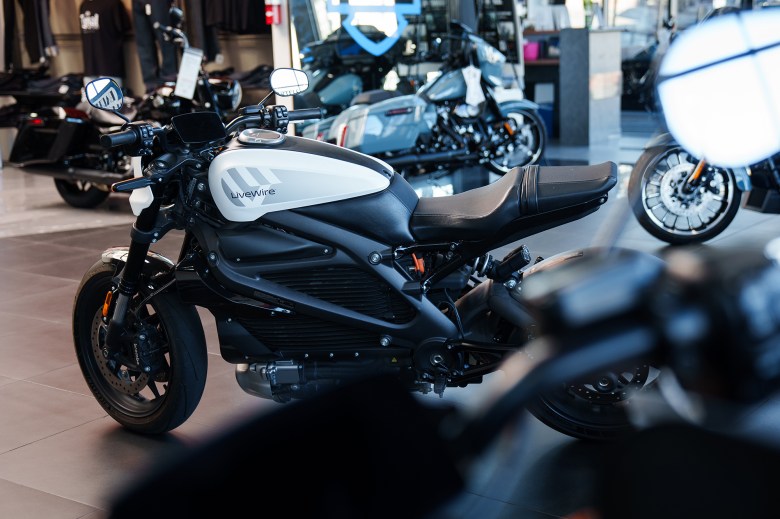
{"type": "Point", "coordinates": [512, 262]}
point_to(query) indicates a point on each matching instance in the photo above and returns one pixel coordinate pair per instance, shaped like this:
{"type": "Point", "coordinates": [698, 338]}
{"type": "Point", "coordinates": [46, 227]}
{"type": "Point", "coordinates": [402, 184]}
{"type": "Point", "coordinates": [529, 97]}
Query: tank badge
{"type": "Point", "coordinates": [248, 186]}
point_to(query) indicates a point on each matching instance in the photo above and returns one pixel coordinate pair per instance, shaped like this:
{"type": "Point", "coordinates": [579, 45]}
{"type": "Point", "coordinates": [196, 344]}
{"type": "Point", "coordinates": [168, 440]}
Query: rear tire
{"type": "Point", "coordinates": [81, 194]}
{"type": "Point", "coordinates": [585, 411]}
{"type": "Point", "coordinates": [528, 142]}
{"type": "Point", "coordinates": [149, 403]}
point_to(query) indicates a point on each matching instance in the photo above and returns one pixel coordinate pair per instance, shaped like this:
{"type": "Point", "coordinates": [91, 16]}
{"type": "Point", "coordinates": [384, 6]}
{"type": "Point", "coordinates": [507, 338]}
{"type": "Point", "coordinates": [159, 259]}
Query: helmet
{"type": "Point", "coordinates": [227, 91]}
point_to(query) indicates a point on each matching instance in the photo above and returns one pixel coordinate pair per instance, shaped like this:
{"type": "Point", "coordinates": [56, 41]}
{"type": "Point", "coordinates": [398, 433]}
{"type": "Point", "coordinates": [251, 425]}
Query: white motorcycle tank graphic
{"type": "Point", "coordinates": [266, 171]}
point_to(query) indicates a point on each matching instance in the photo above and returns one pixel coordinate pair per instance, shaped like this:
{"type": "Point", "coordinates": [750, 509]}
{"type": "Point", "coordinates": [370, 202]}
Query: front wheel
{"type": "Point", "coordinates": [80, 193]}
{"type": "Point", "coordinates": [672, 210]}
{"type": "Point", "coordinates": [520, 139]}
{"type": "Point", "coordinates": [165, 334]}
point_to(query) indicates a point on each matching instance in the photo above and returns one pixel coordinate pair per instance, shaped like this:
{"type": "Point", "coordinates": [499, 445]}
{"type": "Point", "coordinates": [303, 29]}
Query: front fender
{"type": "Point", "coordinates": [526, 104]}
{"type": "Point", "coordinates": [665, 140]}
{"type": "Point", "coordinates": [662, 139]}
{"type": "Point", "coordinates": [155, 264]}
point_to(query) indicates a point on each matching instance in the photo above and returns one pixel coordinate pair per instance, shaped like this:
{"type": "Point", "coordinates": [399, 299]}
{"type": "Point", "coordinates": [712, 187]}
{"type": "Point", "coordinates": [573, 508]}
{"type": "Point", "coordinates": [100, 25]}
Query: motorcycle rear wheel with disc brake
{"type": "Point", "coordinates": [594, 408]}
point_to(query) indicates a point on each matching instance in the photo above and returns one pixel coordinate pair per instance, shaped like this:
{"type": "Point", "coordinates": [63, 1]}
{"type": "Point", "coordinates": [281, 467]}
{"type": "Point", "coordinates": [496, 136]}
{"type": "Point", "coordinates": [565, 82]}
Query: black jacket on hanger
{"type": "Point", "coordinates": [104, 24]}
{"type": "Point", "coordinates": [148, 40]}
{"type": "Point", "coordinates": [201, 36]}
{"type": "Point", "coordinates": [237, 16]}
{"type": "Point", "coordinates": [38, 37]}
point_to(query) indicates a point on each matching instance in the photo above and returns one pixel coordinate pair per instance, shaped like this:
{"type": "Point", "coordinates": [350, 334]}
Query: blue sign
{"type": "Point", "coordinates": [375, 48]}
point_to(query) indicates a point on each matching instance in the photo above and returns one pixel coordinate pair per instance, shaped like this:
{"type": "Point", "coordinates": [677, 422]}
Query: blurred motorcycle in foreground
{"type": "Point", "coordinates": [711, 322]}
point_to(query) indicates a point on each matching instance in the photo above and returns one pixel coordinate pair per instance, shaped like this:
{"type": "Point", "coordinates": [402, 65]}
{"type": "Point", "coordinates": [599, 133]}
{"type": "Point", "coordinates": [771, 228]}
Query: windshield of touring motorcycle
{"type": "Point", "coordinates": [490, 59]}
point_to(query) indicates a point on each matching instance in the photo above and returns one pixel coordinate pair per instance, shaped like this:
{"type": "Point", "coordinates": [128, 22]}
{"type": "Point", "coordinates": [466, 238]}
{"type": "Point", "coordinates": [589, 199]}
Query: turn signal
{"type": "Point", "coordinates": [107, 303]}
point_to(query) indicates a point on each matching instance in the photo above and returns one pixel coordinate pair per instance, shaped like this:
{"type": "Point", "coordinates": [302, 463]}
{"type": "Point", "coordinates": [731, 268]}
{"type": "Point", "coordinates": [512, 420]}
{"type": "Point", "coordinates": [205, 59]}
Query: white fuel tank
{"type": "Point", "coordinates": [264, 171]}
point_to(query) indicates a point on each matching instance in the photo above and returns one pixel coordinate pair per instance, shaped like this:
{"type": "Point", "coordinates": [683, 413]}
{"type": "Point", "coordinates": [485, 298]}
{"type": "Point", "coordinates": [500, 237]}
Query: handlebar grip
{"type": "Point", "coordinates": [305, 113]}
{"type": "Point", "coordinates": [123, 138]}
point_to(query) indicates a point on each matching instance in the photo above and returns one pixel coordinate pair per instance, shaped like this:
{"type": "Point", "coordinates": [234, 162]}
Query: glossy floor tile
{"type": "Point", "coordinates": [62, 457]}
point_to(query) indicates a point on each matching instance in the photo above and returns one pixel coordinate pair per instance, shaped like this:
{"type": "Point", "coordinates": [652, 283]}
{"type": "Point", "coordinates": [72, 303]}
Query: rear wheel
{"type": "Point", "coordinates": [595, 408]}
{"type": "Point", "coordinates": [523, 138]}
{"type": "Point", "coordinates": [80, 193]}
{"type": "Point", "coordinates": [165, 334]}
{"type": "Point", "coordinates": [668, 208]}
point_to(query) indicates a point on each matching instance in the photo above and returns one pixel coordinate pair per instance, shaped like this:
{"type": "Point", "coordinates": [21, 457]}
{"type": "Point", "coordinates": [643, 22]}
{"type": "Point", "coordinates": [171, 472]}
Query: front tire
{"type": "Point", "coordinates": [149, 403]}
{"type": "Point", "coordinates": [527, 141]}
{"type": "Point", "coordinates": [81, 194]}
{"type": "Point", "coordinates": [674, 215]}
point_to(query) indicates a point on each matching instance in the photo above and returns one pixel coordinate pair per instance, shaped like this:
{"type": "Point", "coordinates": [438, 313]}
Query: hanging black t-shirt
{"type": "Point", "coordinates": [237, 16]}
{"type": "Point", "coordinates": [104, 24]}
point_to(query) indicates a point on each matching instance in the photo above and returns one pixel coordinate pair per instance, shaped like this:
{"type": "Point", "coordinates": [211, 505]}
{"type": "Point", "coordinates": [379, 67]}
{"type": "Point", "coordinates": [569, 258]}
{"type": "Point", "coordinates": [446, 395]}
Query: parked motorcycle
{"type": "Point", "coordinates": [683, 200]}
{"type": "Point", "coordinates": [454, 121]}
{"type": "Point", "coordinates": [64, 142]}
{"type": "Point", "coordinates": [320, 265]}
{"type": "Point", "coordinates": [33, 89]}
{"type": "Point", "coordinates": [339, 69]}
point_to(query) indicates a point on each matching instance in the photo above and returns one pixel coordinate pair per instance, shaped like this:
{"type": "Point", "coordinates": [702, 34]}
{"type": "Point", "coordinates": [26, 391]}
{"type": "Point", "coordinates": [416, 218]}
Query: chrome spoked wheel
{"type": "Point", "coordinates": [523, 139]}
{"type": "Point", "coordinates": [670, 208]}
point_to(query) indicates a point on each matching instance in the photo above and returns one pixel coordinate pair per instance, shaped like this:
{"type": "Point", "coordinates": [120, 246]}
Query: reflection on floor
{"type": "Point", "coordinates": [62, 457]}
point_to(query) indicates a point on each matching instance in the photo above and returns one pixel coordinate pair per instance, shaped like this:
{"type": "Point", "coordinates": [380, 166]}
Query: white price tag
{"type": "Point", "coordinates": [188, 73]}
{"type": "Point", "coordinates": [474, 94]}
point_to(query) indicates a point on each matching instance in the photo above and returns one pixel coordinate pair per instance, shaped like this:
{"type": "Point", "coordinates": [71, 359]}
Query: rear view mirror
{"type": "Point", "coordinates": [105, 94]}
{"type": "Point", "coordinates": [288, 81]}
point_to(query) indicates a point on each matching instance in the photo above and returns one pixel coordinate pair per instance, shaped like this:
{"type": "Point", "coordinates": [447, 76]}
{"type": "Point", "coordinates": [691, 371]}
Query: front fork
{"type": "Point", "coordinates": [694, 179]}
{"type": "Point", "coordinates": [142, 235]}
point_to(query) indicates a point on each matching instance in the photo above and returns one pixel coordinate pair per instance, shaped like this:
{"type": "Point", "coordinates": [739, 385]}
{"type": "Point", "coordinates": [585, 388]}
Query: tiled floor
{"type": "Point", "coordinates": [62, 457]}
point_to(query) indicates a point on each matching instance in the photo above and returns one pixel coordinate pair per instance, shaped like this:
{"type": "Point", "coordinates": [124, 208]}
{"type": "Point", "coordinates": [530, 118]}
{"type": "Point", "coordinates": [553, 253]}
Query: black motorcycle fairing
{"type": "Point", "coordinates": [339, 290]}
{"type": "Point", "coordinates": [520, 195]}
{"type": "Point", "coordinates": [383, 216]}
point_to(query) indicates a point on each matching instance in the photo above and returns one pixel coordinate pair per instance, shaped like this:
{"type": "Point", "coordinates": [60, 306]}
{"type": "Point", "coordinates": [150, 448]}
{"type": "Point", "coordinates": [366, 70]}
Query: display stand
{"type": "Point", "coordinates": [590, 86]}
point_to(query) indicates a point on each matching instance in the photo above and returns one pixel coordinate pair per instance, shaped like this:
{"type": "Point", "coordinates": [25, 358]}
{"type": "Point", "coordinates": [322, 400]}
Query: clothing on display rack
{"type": "Point", "coordinates": [202, 36]}
{"type": "Point", "coordinates": [104, 24]}
{"type": "Point", "coordinates": [38, 37]}
{"type": "Point", "coordinates": [148, 39]}
{"type": "Point", "coordinates": [237, 16]}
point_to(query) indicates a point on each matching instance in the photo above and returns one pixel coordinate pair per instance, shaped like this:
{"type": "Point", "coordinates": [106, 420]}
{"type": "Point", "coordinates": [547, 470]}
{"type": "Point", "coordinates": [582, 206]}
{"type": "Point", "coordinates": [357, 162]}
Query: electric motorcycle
{"type": "Point", "coordinates": [681, 199]}
{"type": "Point", "coordinates": [456, 120]}
{"type": "Point", "coordinates": [63, 141]}
{"type": "Point", "coordinates": [320, 265]}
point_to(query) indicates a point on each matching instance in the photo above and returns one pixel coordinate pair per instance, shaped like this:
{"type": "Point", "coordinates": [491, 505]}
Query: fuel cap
{"type": "Point", "coordinates": [260, 136]}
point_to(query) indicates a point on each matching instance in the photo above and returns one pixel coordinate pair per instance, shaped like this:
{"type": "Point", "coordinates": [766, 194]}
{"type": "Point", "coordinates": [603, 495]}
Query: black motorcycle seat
{"type": "Point", "coordinates": [521, 193]}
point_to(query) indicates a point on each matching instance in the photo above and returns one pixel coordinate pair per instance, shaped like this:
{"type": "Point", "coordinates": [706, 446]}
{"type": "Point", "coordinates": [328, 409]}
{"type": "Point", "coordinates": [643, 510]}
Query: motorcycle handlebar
{"type": "Point", "coordinates": [305, 113]}
{"type": "Point", "coordinates": [122, 138]}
